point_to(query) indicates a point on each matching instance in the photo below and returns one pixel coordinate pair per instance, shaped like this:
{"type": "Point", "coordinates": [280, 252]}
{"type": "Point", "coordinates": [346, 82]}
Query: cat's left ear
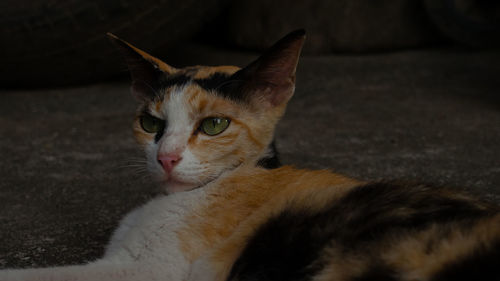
{"type": "Point", "coordinates": [270, 80]}
{"type": "Point", "coordinates": [146, 70]}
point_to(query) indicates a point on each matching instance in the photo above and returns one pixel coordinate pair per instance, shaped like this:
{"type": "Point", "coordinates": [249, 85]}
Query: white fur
{"type": "Point", "coordinates": [179, 127]}
{"type": "Point", "coordinates": [148, 235]}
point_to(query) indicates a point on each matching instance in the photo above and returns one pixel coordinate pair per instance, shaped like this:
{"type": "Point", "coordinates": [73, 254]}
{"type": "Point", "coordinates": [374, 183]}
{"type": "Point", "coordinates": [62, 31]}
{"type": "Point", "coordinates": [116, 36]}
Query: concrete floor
{"type": "Point", "coordinates": [68, 165]}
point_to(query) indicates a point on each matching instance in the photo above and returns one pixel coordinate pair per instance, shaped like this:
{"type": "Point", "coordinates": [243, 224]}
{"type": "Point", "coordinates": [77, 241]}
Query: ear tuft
{"type": "Point", "coordinates": [271, 78]}
{"type": "Point", "coordinates": [145, 69]}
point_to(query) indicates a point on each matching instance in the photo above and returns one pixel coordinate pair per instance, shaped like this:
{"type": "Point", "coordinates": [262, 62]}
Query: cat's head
{"type": "Point", "coordinates": [196, 123]}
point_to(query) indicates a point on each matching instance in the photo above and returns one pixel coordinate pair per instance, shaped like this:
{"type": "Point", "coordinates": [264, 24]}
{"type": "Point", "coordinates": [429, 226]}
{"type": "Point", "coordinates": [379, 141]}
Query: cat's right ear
{"type": "Point", "coordinates": [146, 70]}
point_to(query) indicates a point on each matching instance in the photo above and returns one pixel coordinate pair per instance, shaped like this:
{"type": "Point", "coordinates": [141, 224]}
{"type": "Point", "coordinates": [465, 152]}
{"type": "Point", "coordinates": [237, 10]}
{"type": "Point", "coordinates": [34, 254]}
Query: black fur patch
{"type": "Point", "coordinates": [271, 161]}
{"type": "Point", "coordinates": [174, 80]}
{"type": "Point", "coordinates": [223, 85]}
{"type": "Point", "coordinates": [371, 211]}
{"type": "Point", "coordinates": [213, 82]}
{"type": "Point", "coordinates": [232, 89]}
{"type": "Point", "coordinates": [282, 249]}
{"type": "Point", "coordinates": [287, 245]}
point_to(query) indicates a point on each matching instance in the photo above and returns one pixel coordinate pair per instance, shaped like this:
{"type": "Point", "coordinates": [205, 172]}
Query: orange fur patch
{"type": "Point", "coordinates": [158, 105]}
{"type": "Point", "coordinates": [203, 72]}
{"type": "Point", "coordinates": [245, 201]}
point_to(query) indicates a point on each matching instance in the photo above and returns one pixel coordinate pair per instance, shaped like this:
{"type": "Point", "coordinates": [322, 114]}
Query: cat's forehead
{"type": "Point", "coordinates": [193, 99]}
{"type": "Point", "coordinates": [207, 77]}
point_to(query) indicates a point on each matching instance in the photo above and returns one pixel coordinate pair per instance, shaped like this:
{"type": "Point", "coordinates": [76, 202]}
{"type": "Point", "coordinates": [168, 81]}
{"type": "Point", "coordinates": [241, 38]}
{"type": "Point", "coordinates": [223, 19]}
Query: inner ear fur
{"type": "Point", "coordinates": [146, 70]}
{"type": "Point", "coordinates": [271, 78]}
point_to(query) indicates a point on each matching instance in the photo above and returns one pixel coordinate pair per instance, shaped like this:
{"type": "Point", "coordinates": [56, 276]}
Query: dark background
{"type": "Point", "coordinates": [58, 43]}
{"type": "Point", "coordinates": [389, 89]}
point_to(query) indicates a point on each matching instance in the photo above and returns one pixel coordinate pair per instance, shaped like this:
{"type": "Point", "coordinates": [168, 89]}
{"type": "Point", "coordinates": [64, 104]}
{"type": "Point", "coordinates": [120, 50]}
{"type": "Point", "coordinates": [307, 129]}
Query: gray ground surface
{"type": "Point", "coordinates": [68, 160]}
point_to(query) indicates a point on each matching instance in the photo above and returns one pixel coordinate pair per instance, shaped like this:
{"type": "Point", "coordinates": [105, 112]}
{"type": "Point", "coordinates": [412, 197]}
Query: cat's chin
{"type": "Point", "coordinates": [171, 184]}
{"type": "Point", "coordinates": [174, 186]}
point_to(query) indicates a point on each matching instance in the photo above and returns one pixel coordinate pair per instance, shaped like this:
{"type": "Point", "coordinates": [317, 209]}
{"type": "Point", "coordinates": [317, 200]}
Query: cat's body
{"type": "Point", "coordinates": [207, 133]}
{"type": "Point", "coordinates": [318, 224]}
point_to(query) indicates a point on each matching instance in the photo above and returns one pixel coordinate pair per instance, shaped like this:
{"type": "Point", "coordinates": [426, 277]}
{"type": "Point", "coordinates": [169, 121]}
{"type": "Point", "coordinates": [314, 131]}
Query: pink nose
{"type": "Point", "coordinates": [168, 161]}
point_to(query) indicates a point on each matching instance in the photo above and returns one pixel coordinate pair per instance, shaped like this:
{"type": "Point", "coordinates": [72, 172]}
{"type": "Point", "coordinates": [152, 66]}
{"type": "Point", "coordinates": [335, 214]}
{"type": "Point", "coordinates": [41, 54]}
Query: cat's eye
{"type": "Point", "coordinates": [151, 124]}
{"type": "Point", "coordinates": [214, 125]}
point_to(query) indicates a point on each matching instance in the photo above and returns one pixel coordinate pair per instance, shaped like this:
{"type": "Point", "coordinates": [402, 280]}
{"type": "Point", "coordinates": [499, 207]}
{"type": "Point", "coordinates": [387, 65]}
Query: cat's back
{"type": "Point", "coordinates": [321, 226]}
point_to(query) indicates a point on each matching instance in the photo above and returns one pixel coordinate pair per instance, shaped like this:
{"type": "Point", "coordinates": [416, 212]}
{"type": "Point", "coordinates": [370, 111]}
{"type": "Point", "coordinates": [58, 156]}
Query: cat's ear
{"type": "Point", "coordinates": [270, 80]}
{"type": "Point", "coordinates": [145, 69]}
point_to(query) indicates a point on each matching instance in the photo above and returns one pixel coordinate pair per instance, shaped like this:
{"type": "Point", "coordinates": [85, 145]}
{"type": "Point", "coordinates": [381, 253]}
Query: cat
{"type": "Point", "coordinates": [231, 212]}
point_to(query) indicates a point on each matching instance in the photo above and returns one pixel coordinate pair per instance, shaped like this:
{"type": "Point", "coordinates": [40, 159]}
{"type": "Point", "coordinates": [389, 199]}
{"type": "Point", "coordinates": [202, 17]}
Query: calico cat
{"type": "Point", "coordinates": [207, 133]}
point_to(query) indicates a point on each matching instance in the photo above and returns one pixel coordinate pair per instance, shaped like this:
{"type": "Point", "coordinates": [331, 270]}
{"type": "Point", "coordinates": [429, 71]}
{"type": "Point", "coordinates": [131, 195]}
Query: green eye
{"type": "Point", "coordinates": [151, 124]}
{"type": "Point", "coordinates": [214, 125]}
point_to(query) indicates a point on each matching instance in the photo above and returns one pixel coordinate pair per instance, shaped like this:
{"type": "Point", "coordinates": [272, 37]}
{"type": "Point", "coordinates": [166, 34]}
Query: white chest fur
{"type": "Point", "coordinates": [149, 235]}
